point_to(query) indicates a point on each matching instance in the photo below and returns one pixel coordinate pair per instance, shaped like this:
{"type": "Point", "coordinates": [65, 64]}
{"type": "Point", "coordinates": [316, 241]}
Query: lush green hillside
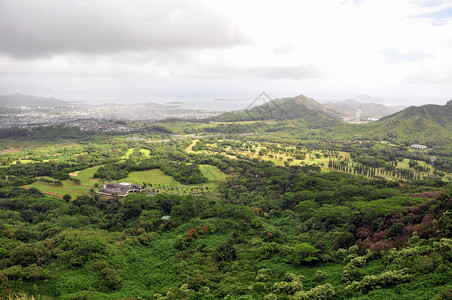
{"type": "Point", "coordinates": [428, 124]}
{"type": "Point", "coordinates": [275, 233]}
{"type": "Point", "coordinates": [244, 216]}
{"type": "Point", "coordinates": [250, 230]}
{"type": "Point", "coordinates": [279, 109]}
{"type": "Point", "coordinates": [304, 118]}
{"type": "Point", "coordinates": [437, 114]}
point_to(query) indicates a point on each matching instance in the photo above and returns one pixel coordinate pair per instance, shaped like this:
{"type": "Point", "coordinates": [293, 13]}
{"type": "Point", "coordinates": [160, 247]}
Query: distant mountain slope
{"type": "Point", "coordinates": [427, 124]}
{"type": "Point", "coordinates": [349, 108]}
{"type": "Point", "coordinates": [27, 100]}
{"type": "Point", "coordinates": [280, 109]}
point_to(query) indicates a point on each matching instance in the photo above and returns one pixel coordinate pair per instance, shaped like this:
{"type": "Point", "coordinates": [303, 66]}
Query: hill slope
{"type": "Point", "coordinates": [280, 109]}
{"type": "Point", "coordinates": [27, 100]}
{"type": "Point", "coordinates": [427, 124]}
{"type": "Point", "coordinates": [349, 108]}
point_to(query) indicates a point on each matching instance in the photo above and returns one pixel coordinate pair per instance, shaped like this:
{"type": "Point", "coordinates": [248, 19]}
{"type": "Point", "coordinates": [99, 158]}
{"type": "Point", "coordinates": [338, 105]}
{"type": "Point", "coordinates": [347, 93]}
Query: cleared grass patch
{"type": "Point", "coordinates": [68, 187]}
{"type": "Point", "coordinates": [388, 205]}
{"type": "Point", "coordinates": [212, 173]}
{"type": "Point", "coordinates": [128, 153]}
{"type": "Point", "coordinates": [154, 176]}
{"type": "Point", "coordinates": [86, 176]}
{"type": "Point", "coordinates": [146, 152]}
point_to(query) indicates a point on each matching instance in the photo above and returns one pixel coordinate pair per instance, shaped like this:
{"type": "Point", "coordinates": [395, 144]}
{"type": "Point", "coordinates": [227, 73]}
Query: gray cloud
{"type": "Point", "coordinates": [13, 85]}
{"type": "Point", "coordinates": [270, 72]}
{"type": "Point", "coordinates": [277, 72]}
{"type": "Point", "coordinates": [33, 29]}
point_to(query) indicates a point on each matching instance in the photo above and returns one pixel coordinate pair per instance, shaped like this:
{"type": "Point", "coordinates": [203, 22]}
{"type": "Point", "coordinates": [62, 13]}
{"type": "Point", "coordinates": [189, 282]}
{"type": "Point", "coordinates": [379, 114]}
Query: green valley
{"type": "Point", "coordinates": [305, 207]}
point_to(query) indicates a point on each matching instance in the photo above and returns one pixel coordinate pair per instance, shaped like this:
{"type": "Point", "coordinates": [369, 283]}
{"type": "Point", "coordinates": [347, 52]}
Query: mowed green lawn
{"type": "Point", "coordinates": [86, 175]}
{"type": "Point", "coordinates": [212, 173]}
{"type": "Point", "coordinates": [69, 187]}
{"type": "Point", "coordinates": [154, 176]}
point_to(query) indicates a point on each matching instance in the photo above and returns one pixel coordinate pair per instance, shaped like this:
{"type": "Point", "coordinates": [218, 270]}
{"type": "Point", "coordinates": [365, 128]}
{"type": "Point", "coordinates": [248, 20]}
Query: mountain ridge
{"type": "Point", "coordinates": [350, 107]}
{"type": "Point", "coordinates": [429, 124]}
{"type": "Point", "coordinates": [17, 99]}
{"type": "Point", "coordinates": [288, 108]}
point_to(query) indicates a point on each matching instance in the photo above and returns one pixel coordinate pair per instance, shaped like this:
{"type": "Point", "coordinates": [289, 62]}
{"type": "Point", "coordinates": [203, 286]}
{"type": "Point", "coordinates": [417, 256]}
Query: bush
{"type": "Point", "coordinates": [226, 252]}
{"type": "Point", "coordinates": [373, 282]}
{"type": "Point", "coordinates": [304, 253]}
{"type": "Point", "coordinates": [73, 284]}
{"type": "Point", "coordinates": [111, 278]}
{"type": "Point", "coordinates": [263, 275]}
{"type": "Point", "coordinates": [351, 270]}
{"type": "Point", "coordinates": [320, 292]}
{"type": "Point", "coordinates": [35, 272]}
{"type": "Point", "coordinates": [28, 254]}
{"type": "Point", "coordinates": [290, 286]}
{"type": "Point", "coordinates": [267, 250]}
{"type": "Point", "coordinates": [320, 275]}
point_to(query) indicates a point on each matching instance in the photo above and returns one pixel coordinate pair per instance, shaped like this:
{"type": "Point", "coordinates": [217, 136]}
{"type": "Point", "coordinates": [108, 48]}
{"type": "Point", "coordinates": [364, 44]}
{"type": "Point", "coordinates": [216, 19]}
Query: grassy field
{"type": "Point", "coordinates": [128, 153]}
{"type": "Point", "coordinates": [68, 187]}
{"type": "Point", "coordinates": [280, 158]}
{"type": "Point", "coordinates": [86, 176]}
{"type": "Point", "coordinates": [146, 152]}
{"type": "Point", "coordinates": [212, 173]}
{"type": "Point", "coordinates": [154, 176]}
{"type": "Point", "coordinates": [167, 184]}
{"type": "Point", "coordinates": [58, 152]}
{"type": "Point", "coordinates": [190, 147]}
{"type": "Point", "coordinates": [159, 182]}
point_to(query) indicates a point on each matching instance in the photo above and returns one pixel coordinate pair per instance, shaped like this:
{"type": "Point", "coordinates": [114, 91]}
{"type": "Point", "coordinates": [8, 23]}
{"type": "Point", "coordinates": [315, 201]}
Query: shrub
{"type": "Point", "coordinates": [290, 286]}
{"type": "Point", "coordinates": [226, 252]}
{"type": "Point", "coordinates": [35, 272]}
{"type": "Point", "coordinates": [320, 292]}
{"type": "Point", "coordinates": [304, 253]}
{"type": "Point", "coordinates": [351, 270]}
{"type": "Point", "coordinates": [28, 254]}
{"type": "Point", "coordinates": [268, 249]}
{"type": "Point", "coordinates": [372, 282]}
{"type": "Point", "coordinates": [259, 287]}
{"type": "Point", "coordinates": [320, 275]}
{"type": "Point", "coordinates": [263, 275]}
{"type": "Point", "coordinates": [13, 273]}
{"type": "Point", "coordinates": [111, 278]}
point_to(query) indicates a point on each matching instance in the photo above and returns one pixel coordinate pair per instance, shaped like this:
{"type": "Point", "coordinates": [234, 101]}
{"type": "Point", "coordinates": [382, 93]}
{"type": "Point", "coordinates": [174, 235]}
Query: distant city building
{"type": "Point", "coordinates": [417, 146]}
{"type": "Point", "coordinates": [120, 189]}
{"type": "Point", "coordinates": [358, 115]}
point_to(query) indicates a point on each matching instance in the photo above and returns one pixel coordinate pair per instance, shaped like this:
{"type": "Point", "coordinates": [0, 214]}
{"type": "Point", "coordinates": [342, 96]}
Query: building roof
{"type": "Point", "coordinates": [121, 189]}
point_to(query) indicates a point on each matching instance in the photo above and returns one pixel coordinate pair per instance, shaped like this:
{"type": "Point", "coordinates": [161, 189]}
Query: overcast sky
{"type": "Point", "coordinates": [162, 50]}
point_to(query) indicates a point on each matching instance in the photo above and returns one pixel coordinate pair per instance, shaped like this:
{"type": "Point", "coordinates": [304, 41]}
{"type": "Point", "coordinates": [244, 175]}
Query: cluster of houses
{"type": "Point", "coordinates": [121, 189]}
{"type": "Point", "coordinates": [417, 146]}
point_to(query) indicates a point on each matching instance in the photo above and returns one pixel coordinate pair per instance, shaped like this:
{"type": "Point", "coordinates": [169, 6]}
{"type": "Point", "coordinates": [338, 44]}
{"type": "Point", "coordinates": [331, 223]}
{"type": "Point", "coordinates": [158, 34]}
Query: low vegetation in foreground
{"type": "Point", "coordinates": [234, 216]}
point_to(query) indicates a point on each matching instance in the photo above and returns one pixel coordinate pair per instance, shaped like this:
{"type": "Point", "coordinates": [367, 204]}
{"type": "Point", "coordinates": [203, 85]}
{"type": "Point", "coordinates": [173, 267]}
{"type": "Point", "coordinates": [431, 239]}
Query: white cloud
{"type": "Point", "coordinates": [326, 48]}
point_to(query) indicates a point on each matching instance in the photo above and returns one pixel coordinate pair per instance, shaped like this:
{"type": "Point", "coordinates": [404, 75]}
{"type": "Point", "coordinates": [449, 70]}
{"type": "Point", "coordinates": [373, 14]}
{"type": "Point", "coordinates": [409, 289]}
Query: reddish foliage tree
{"type": "Point", "coordinates": [364, 232]}
{"type": "Point", "coordinates": [382, 245]}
